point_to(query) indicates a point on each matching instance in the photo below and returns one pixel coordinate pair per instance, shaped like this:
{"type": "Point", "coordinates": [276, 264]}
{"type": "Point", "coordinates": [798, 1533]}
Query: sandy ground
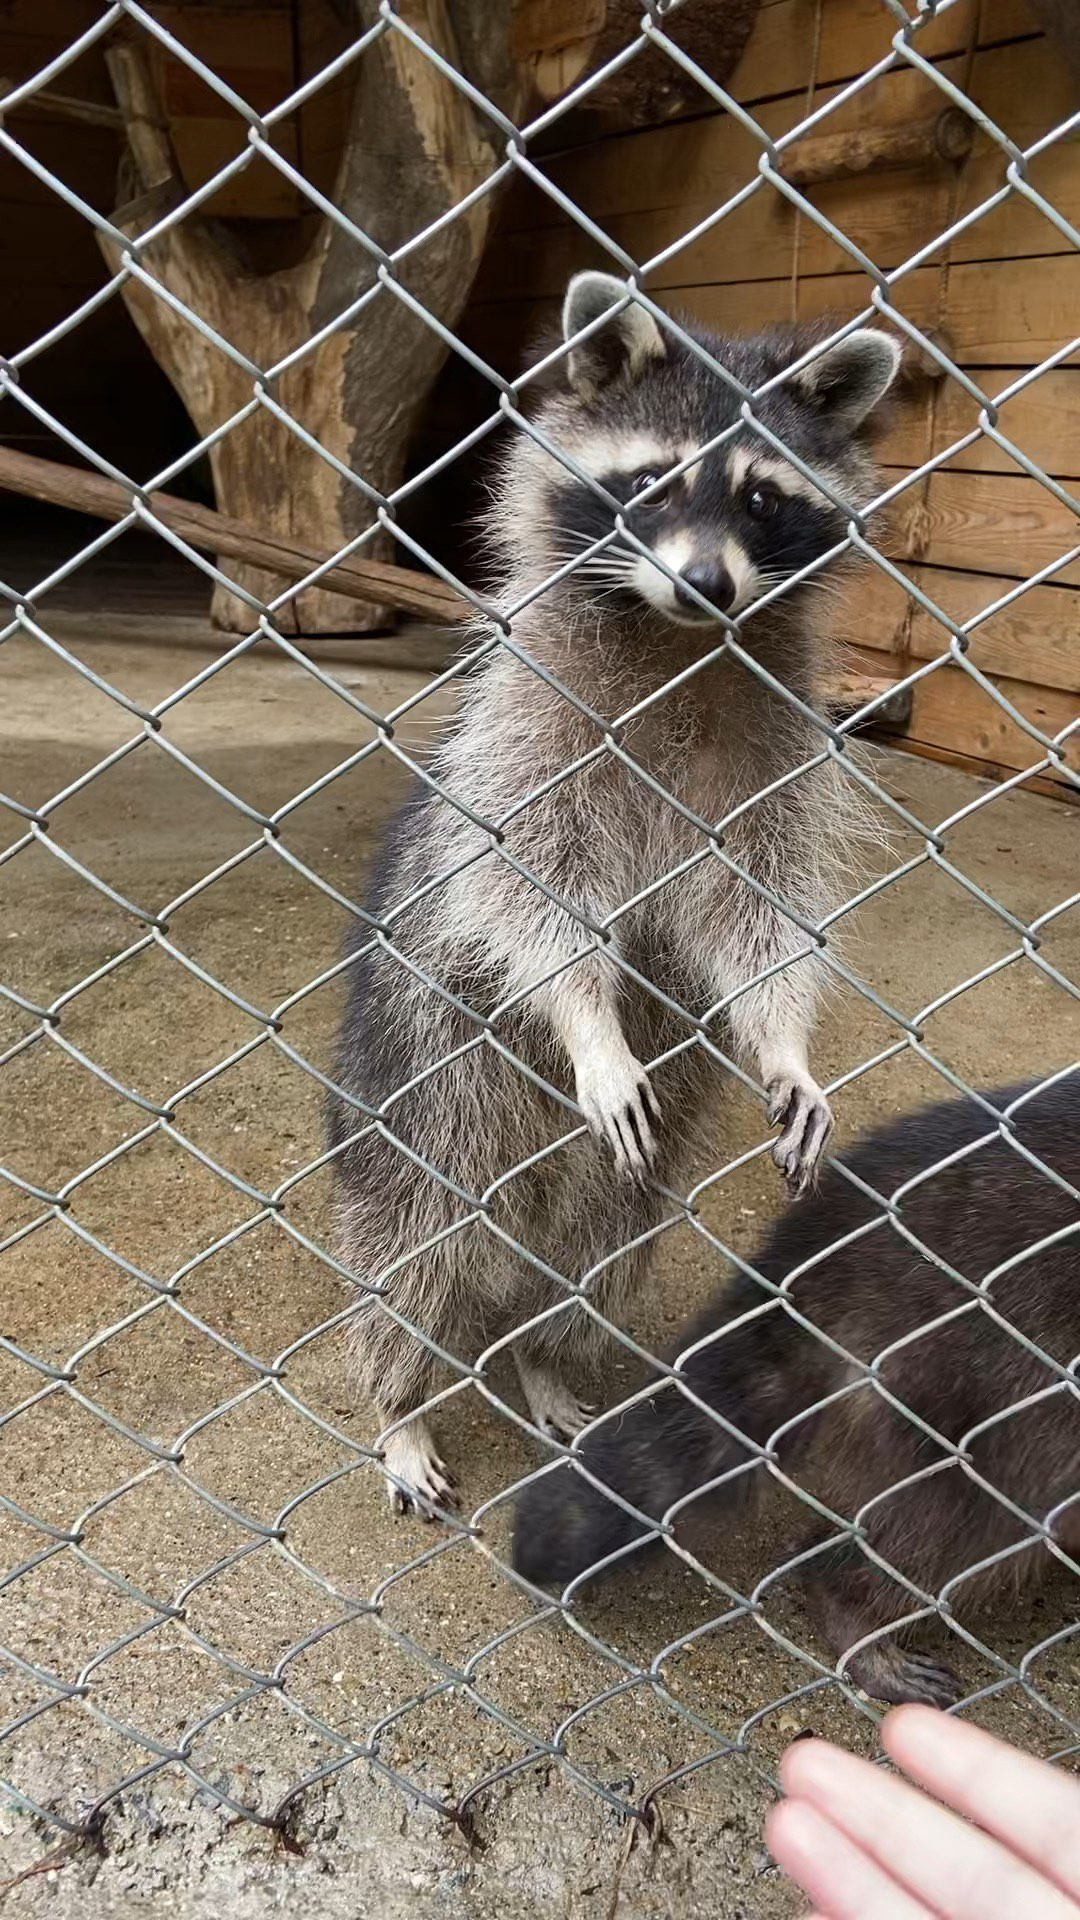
{"type": "Point", "coordinates": [129, 1254]}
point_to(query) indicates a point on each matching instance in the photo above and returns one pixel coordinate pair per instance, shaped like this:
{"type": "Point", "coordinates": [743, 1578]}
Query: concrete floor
{"type": "Point", "coordinates": [355, 1841]}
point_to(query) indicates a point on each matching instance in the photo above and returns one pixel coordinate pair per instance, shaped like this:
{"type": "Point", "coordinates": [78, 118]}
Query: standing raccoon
{"type": "Point", "coordinates": [984, 1492]}
{"type": "Point", "coordinates": [512, 987]}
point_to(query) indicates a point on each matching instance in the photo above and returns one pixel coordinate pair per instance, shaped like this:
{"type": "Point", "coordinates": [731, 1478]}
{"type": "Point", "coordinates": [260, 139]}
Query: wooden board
{"type": "Point", "coordinates": [956, 718]}
{"type": "Point", "coordinates": [649, 191]}
{"type": "Point", "coordinates": [985, 523]}
{"type": "Point", "coordinates": [252, 52]}
{"type": "Point", "coordinates": [854, 35]}
{"type": "Point", "coordinates": [1044, 420]}
{"type": "Point", "coordinates": [997, 316]}
{"type": "Point", "coordinates": [1034, 638]}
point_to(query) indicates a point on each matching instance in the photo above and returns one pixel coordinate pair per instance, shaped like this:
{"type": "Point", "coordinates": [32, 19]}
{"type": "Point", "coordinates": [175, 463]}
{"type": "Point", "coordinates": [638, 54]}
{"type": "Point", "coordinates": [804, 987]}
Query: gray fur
{"type": "Point", "coordinates": [439, 1252]}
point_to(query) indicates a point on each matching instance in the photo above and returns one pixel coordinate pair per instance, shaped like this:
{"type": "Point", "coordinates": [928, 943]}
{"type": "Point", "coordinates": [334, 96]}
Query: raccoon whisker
{"type": "Point", "coordinates": [592, 572]}
{"type": "Point", "coordinates": [596, 573]}
{"type": "Point", "coordinates": [617, 556]}
{"type": "Point", "coordinates": [592, 559]}
{"type": "Point", "coordinates": [580, 539]}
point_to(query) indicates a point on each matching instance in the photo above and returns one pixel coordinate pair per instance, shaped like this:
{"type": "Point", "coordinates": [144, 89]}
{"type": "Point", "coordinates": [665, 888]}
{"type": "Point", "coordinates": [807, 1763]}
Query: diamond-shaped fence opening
{"type": "Point", "coordinates": [649, 849]}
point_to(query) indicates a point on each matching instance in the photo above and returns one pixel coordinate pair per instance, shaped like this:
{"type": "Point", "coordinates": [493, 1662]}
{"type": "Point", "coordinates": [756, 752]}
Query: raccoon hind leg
{"type": "Point", "coordinates": [851, 1602]}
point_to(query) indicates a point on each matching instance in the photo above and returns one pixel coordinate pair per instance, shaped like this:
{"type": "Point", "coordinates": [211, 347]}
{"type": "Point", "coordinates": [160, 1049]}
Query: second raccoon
{"type": "Point", "coordinates": [952, 1432]}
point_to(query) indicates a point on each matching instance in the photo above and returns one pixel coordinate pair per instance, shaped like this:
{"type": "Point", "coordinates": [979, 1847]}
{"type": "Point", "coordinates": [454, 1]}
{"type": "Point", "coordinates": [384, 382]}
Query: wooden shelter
{"type": "Point", "coordinates": [896, 167]}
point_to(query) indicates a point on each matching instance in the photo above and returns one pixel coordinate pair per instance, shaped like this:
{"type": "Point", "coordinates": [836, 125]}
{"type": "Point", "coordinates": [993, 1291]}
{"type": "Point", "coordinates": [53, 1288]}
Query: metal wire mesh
{"type": "Point", "coordinates": [450, 1676]}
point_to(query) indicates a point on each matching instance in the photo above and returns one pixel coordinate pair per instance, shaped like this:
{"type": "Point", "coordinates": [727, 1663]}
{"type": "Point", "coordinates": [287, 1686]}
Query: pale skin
{"type": "Point", "coordinates": [984, 1833]}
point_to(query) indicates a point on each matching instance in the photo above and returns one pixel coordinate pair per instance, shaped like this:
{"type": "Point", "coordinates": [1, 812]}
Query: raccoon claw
{"type": "Point", "coordinates": [422, 1483]}
{"type": "Point", "coordinates": [923, 1680]}
{"type": "Point", "coordinates": [619, 1105]}
{"type": "Point", "coordinates": [569, 1428]}
{"type": "Point", "coordinates": [565, 1418]}
{"type": "Point", "coordinates": [800, 1108]}
{"type": "Point", "coordinates": [885, 1673]}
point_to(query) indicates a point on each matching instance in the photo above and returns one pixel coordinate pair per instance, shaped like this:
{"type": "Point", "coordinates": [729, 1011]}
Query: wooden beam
{"type": "Point", "coordinates": [62, 106]}
{"type": "Point", "coordinates": [367, 580]}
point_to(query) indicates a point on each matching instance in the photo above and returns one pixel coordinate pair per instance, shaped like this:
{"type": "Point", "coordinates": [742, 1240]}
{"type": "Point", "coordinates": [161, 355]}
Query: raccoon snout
{"type": "Point", "coordinates": [713, 582]}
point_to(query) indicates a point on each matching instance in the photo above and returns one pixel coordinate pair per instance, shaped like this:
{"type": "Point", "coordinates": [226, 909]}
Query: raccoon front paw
{"type": "Point", "coordinates": [798, 1106]}
{"type": "Point", "coordinates": [621, 1108]}
{"type": "Point", "coordinates": [418, 1481]}
{"type": "Point", "coordinates": [887, 1672]}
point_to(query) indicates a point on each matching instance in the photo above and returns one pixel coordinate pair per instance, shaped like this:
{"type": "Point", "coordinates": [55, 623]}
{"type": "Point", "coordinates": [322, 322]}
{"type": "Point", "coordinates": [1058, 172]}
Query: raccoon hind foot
{"type": "Point", "coordinates": [418, 1481]}
{"type": "Point", "coordinates": [554, 1406]}
{"type": "Point", "coordinates": [889, 1673]}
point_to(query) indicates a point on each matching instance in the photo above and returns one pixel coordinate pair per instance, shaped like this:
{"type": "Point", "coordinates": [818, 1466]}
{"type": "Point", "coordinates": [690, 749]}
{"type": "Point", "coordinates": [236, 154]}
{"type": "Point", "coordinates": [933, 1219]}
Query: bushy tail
{"type": "Point", "coordinates": [664, 1448]}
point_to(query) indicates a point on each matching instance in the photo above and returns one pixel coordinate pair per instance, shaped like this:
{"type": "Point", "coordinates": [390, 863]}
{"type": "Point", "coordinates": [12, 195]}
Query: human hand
{"type": "Point", "coordinates": [867, 1846]}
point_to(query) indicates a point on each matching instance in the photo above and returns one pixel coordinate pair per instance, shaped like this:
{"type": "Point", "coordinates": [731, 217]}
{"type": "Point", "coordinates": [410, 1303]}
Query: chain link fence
{"type": "Point", "coordinates": [456, 1665]}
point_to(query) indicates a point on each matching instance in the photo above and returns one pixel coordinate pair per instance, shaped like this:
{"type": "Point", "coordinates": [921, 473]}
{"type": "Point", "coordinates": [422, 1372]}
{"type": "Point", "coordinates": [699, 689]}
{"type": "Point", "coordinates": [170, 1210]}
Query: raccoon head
{"type": "Point", "coordinates": [739, 520]}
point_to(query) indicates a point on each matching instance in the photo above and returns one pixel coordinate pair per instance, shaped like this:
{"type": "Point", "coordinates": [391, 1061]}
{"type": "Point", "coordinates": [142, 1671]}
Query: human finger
{"type": "Point", "coordinates": [955, 1869]}
{"type": "Point", "coordinates": [1034, 1808]}
{"type": "Point", "coordinates": [841, 1880]}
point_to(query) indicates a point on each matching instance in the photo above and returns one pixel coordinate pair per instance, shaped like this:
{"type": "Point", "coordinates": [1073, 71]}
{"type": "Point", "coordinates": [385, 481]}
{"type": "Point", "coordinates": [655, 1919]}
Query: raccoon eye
{"type": "Point", "coordinates": [655, 500]}
{"type": "Point", "coordinates": [761, 502]}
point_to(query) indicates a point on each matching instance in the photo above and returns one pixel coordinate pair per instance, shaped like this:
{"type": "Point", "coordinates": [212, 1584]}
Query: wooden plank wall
{"type": "Point", "coordinates": [1007, 292]}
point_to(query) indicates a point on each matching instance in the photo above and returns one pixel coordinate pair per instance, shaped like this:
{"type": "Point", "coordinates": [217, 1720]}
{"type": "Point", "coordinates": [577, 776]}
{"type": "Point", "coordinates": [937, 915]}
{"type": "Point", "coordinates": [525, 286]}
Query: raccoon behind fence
{"type": "Point", "coordinates": [934, 1505]}
{"type": "Point", "coordinates": [507, 916]}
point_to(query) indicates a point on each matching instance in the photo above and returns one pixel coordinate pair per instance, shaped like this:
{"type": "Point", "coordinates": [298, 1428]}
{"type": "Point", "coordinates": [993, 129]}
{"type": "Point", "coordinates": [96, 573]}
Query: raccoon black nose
{"type": "Point", "coordinates": [713, 583]}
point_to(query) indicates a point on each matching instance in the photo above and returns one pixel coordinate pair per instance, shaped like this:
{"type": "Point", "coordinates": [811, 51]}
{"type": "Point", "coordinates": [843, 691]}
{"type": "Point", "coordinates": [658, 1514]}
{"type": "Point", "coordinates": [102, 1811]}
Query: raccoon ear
{"type": "Point", "coordinates": [619, 351]}
{"type": "Point", "coordinates": [848, 381]}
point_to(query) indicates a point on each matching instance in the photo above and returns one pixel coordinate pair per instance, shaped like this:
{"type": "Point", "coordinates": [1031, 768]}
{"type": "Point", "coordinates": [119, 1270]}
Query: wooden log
{"type": "Point", "coordinates": [562, 43]}
{"type": "Point", "coordinates": [62, 106]}
{"type": "Point", "coordinates": [368, 581]}
{"type": "Point", "coordinates": [941, 138]}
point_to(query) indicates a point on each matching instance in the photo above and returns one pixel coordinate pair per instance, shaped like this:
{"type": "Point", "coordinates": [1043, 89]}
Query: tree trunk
{"type": "Point", "coordinates": [416, 148]}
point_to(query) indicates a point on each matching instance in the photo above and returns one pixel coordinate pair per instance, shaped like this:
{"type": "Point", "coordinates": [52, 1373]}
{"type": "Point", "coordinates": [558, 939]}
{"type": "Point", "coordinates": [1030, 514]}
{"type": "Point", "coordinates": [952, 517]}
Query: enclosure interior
{"type": "Point", "coordinates": [257, 1590]}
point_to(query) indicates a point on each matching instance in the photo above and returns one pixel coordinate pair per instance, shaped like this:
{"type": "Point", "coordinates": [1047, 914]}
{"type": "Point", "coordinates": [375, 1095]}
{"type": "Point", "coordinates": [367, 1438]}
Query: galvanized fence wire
{"type": "Point", "coordinates": [161, 931]}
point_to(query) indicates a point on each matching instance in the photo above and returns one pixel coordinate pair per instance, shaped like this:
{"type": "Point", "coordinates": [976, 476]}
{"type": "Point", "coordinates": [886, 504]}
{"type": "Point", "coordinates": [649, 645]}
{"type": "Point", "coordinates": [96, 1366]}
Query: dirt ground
{"type": "Point", "coordinates": [199, 1604]}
